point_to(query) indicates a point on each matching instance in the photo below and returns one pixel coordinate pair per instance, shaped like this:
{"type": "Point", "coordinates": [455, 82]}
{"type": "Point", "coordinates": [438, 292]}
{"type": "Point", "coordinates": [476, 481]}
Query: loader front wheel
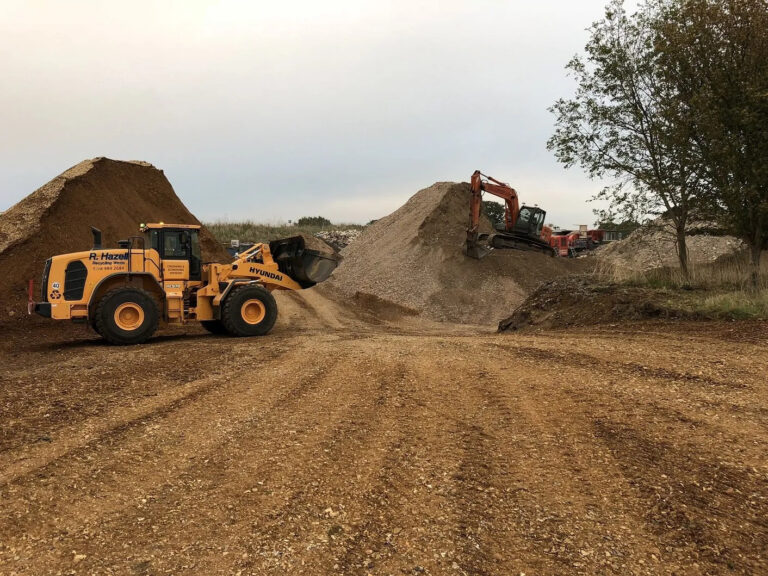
{"type": "Point", "coordinates": [126, 315]}
{"type": "Point", "coordinates": [249, 311]}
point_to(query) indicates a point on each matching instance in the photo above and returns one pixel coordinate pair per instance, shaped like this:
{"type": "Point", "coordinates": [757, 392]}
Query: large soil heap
{"type": "Point", "coordinates": [413, 257]}
{"type": "Point", "coordinates": [112, 195]}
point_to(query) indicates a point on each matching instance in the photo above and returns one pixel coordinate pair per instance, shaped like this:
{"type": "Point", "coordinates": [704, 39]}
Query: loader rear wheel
{"type": "Point", "coordinates": [249, 311]}
{"type": "Point", "coordinates": [126, 315]}
{"type": "Point", "coordinates": [214, 326]}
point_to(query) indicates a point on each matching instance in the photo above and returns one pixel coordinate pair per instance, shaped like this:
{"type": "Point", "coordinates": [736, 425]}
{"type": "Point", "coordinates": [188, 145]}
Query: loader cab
{"type": "Point", "coordinates": [530, 221]}
{"type": "Point", "coordinates": [176, 242]}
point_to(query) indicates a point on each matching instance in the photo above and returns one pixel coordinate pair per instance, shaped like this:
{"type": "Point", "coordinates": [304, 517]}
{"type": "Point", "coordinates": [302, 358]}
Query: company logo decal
{"type": "Point", "coordinates": [265, 274]}
{"type": "Point", "coordinates": [108, 256]}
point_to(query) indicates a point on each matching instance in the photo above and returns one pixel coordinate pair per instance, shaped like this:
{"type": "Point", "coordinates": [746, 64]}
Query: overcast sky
{"type": "Point", "coordinates": [276, 110]}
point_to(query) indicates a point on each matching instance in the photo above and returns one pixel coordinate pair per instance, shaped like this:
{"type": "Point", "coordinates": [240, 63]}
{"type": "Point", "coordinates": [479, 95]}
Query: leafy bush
{"type": "Point", "coordinates": [494, 211]}
{"type": "Point", "coordinates": [315, 221]}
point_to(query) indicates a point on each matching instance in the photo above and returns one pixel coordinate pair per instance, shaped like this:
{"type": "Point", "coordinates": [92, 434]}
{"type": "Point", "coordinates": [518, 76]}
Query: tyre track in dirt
{"type": "Point", "coordinates": [315, 507]}
{"type": "Point", "coordinates": [66, 374]}
{"type": "Point", "coordinates": [395, 449]}
{"type": "Point", "coordinates": [131, 443]}
{"type": "Point", "coordinates": [513, 427]}
{"type": "Point", "coordinates": [223, 477]}
{"type": "Point", "coordinates": [649, 465]}
{"type": "Point", "coordinates": [666, 388]}
{"type": "Point", "coordinates": [257, 465]}
{"type": "Point", "coordinates": [94, 431]}
{"type": "Point", "coordinates": [694, 502]}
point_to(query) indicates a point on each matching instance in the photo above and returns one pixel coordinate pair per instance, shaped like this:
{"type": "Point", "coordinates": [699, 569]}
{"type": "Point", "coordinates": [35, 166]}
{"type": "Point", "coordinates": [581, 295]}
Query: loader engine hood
{"type": "Point", "coordinates": [307, 267]}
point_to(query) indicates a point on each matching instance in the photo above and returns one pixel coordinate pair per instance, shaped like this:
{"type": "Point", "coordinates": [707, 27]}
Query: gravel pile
{"type": "Point", "coordinates": [413, 257]}
{"type": "Point", "coordinates": [112, 195]}
{"type": "Point", "coordinates": [654, 246]}
{"type": "Point", "coordinates": [339, 239]}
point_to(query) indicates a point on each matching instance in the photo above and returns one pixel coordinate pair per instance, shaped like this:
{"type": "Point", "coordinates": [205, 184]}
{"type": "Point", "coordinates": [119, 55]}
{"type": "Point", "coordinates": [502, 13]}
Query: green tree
{"type": "Point", "coordinates": [622, 123]}
{"type": "Point", "coordinates": [715, 55]}
{"type": "Point", "coordinates": [494, 211]}
{"type": "Point", "coordinates": [313, 221]}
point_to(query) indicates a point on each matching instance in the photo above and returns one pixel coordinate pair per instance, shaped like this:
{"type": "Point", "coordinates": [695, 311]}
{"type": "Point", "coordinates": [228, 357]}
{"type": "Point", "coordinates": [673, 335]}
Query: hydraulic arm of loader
{"type": "Point", "coordinates": [283, 264]}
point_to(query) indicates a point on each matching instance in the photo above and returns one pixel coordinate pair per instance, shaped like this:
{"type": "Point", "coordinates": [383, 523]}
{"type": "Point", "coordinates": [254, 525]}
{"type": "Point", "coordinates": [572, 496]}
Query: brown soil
{"type": "Point", "coordinates": [114, 196]}
{"type": "Point", "coordinates": [339, 445]}
{"type": "Point", "coordinates": [413, 257]}
{"type": "Point", "coordinates": [318, 244]}
{"type": "Point", "coordinates": [582, 301]}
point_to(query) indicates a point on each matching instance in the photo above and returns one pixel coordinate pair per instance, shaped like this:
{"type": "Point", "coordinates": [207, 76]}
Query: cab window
{"type": "Point", "coordinates": [174, 244]}
{"type": "Point", "coordinates": [152, 238]}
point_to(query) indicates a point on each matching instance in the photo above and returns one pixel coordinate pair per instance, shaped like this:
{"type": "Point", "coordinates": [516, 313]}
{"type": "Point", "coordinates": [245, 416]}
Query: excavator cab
{"type": "Point", "coordinates": [530, 221]}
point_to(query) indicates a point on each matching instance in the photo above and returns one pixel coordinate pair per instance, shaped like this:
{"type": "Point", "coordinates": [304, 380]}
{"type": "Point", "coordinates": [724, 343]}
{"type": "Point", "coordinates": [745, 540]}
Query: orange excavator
{"type": "Point", "coordinates": [523, 227]}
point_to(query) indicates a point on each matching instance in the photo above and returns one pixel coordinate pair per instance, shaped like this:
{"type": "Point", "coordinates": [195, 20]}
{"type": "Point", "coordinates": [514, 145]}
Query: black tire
{"type": "Point", "coordinates": [92, 323]}
{"type": "Point", "coordinates": [142, 313]}
{"type": "Point", "coordinates": [214, 326]}
{"type": "Point", "coordinates": [239, 302]}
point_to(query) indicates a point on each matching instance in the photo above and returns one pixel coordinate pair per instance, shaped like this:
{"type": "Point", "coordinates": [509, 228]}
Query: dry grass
{"type": "Point", "coordinates": [719, 290]}
{"type": "Point", "coordinates": [249, 231]}
{"type": "Point", "coordinates": [732, 273]}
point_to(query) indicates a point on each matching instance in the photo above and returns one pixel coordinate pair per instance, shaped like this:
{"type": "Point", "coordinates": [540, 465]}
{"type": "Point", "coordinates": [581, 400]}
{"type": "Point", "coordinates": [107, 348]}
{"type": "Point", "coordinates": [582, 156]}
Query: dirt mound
{"type": "Point", "coordinates": [112, 195]}
{"type": "Point", "coordinates": [579, 301]}
{"type": "Point", "coordinates": [413, 257]}
{"type": "Point", "coordinates": [653, 246]}
{"type": "Point", "coordinates": [380, 308]}
{"type": "Point", "coordinates": [313, 243]}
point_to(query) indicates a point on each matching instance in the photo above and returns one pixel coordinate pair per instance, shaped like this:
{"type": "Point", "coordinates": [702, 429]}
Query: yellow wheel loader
{"type": "Point", "coordinates": [125, 293]}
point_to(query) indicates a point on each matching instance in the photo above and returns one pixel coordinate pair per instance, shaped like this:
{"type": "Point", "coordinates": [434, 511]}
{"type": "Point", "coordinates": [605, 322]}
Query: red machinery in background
{"type": "Point", "coordinates": [570, 244]}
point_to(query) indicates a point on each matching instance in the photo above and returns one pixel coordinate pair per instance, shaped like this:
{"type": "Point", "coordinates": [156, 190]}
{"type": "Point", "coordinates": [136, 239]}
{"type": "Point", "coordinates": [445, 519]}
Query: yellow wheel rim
{"type": "Point", "coordinates": [253, 311]}
{"type": "Point", "coordinates": [129, 316]}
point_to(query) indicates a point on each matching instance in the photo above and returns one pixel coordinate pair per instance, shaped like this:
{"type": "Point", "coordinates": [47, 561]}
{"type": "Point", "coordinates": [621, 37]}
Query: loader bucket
{"type": "Point", "coordinates": [305, 266]}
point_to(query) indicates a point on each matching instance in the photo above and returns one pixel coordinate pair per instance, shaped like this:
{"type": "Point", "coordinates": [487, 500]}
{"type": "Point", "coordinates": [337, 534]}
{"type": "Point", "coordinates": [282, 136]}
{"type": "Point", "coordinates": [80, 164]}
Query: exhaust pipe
{"type": "Point", "coordinates": [96, 238]}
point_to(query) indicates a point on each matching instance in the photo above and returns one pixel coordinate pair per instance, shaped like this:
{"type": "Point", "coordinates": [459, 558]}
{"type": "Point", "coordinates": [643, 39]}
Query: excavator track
{"type": "Point", "coordinates": [507, 240]}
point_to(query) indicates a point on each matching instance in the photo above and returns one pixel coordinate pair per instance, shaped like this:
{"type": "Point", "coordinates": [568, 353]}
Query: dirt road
{"type": "Point", "coordinates": [343, 444]}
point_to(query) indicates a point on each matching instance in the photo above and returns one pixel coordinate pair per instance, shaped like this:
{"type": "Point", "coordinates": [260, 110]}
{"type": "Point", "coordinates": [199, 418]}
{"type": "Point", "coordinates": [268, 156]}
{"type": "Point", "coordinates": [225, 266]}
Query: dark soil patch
{"type": "Point", "coordinates": [580, 300]}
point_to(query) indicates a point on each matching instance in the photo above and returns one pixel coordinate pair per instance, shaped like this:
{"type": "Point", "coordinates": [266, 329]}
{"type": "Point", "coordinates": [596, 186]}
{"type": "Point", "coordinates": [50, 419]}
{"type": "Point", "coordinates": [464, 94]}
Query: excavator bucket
{"type": "Point", "coordinates": [305, 266]}
{"type": "Point", "coordinates": [475, 246]}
